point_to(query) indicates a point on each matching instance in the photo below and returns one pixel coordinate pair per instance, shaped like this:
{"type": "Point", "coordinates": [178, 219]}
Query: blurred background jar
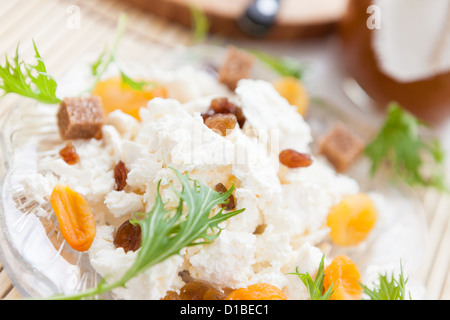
{"type": "Point", "coordinates": [399, 50]}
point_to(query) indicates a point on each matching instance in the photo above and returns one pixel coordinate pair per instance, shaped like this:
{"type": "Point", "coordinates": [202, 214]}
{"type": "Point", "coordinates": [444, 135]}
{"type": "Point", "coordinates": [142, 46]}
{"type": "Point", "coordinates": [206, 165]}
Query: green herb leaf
{"type": "Point", "coordinates": [388, 289]}
{"type": "Point", "coordinates": [98, 63]}
{"type": "Point", "coordinates": [399, 144]}
{"type": "Point", "coordinates": [315, 287]}
{"type": "Point", "coordinates": [108, 56]}
{"type": "Point", "coordinates": [200, 24]}
{"type": "Point", "coordinates": [136, 85]}
{"type": "Point", "coordinates": [27, 80]}
{"type": "Point", "coordinates": [284, 66]}
{"type": "Point", "coordinates": [165, 232]}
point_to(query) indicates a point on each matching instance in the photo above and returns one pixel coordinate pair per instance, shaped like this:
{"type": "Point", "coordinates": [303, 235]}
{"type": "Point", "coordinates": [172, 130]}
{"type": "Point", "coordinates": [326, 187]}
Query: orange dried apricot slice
{"type": "Point", "coordinates": [352, 219]}
{"type": "Point", "coordinates": [260, 291]}
{"type": "Point", "coordinates": [75, 217]}
{"type": "Point", "coordinates": [294, 92]}
{"type": "Point", "coordinates": [117, 95]}
{"type": "Point", "coordinates": [344, 277]}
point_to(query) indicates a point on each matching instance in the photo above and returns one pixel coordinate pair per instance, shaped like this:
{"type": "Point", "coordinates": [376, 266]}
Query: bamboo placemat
{"type": "Point", "coordinates": [62, 38]}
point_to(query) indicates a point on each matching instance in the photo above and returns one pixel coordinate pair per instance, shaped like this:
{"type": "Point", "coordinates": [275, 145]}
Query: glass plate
{"type": "Point", "coordinates": [40, 263]}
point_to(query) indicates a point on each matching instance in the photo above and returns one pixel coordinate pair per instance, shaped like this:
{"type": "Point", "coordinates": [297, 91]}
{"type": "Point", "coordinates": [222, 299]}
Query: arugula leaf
{"type": "Point", "coordinates": [315, 287]}
{"type": "Point", "coordinates": [27, 80]}
{"type": "Point", "coordinates": [388, 289]}
{"type": "Point", "coordinates": [108, 56]}
{"type": "Point", "coordinates": [98, 62]}
{"type": "Point", "coordinates": [399, 143]}
{"type": "Point", "coordinates": [285, 66]}
{"type": "Point", "coordinates": [136, 85]}
{"type": "Point", "coordinates": [165, 232]}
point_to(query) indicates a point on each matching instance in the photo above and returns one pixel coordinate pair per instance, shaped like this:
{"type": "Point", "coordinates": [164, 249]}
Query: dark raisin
{"type": "Point", "coordinates": [120, 176]}
{"type": "Point", "coordinates": [231, 204]}
{"type": "Point", "coordinates": [128, 236]}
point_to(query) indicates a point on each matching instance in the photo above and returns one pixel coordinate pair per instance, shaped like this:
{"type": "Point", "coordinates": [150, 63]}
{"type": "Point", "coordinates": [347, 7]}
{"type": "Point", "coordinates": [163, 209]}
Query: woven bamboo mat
{"type": "Point", "coordinates": [66, 29]}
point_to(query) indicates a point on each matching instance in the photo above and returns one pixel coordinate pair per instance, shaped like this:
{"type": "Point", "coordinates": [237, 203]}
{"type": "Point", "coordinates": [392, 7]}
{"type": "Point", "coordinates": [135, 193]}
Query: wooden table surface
{"type": "Point", "coordinates": [66, 29]}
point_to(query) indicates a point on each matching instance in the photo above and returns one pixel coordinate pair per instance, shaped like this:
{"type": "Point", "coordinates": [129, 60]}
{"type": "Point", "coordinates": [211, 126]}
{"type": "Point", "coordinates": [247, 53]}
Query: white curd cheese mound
{"type": "Point", "coordinates": [268, 113]}
{"type": "Point", "coordinates": [227, 262]}
{"type": "Point", "coordinates": [285, 209]}
{"type": "Point", "coordinates": [121, 203]}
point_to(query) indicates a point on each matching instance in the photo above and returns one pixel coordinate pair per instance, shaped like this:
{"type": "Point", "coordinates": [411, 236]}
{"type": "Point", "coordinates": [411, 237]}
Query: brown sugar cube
{"type": "Point", "coordinates": [238, 65]}
{"type": "Point", "coordinates": [80, 117]}
{"type": "Point", "coordinates": [341, 147]}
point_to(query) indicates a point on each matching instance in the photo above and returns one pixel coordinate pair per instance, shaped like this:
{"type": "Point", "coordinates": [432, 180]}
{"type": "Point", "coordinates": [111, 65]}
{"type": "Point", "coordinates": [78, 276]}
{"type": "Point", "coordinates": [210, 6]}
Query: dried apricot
{"type": "Point", "coordinates": [116, 95]}
{"type": "Point", "coordinates": [260, 291]}
{"type": "Point", "coordinates": [343, 275]}
{"type": "Point", "coordinates": [352, 219]}
{"type": "Point", "coordinates": [294, 92]}
{"type": "Point", "coordinates": [75, 217]}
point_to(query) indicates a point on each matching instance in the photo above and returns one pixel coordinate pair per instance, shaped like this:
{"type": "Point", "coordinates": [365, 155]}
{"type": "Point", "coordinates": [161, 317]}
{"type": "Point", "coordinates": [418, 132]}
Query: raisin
{"type": "Point", "coordinates": [293, 159]}
{"type": "Point", "coordinates": [221, 123]}
{"type": "Point", "coordinates": [128, 236]}
{"type": "Point", "coordinates": [120, 175]}
{"type": "Point", "coordinates": [197, 290]}
{"type": "Point", "coordinates": [231, 204]}
{"type": "Point", "coordinates": [171, 295]}
{"type": "Point", "coordinates": [213, 294]}
{"type": "Point", "coordinates": [207, 114]}
{"type": "Point", "coordinates": [240, 117]}
{"type": "Point", "coordinates": [193, 290]}
{"type": "Point", "coordinates": [69, 154]}
{"type": "Point", "coordinates": [224, 106]}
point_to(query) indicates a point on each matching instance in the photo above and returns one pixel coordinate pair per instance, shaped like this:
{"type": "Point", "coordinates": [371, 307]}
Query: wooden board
{"type": "Point", "coordinates": [296, 19]}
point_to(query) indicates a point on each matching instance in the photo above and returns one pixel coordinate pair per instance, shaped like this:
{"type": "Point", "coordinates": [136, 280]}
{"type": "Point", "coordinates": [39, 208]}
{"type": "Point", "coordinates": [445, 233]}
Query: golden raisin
{"type": "Point", "coordinates": [231, 204]}
{"type": "Point", "coordinates": [128, 236]}
{"type": "Point", "coordinates": [69, 154]}
{"type": "Point", "coordinates": [120, 176]}
{"type": "Point", "coordinates": [221, 123]}
{"type": "Point", "coordinates": [224, 106]}
{"type": "Point", "coordinates": [197, 290]}
{"type": "Point", "coordinates": [293, 159]}
{"type": "Point", "coordinates": [193, 290]}
{"type": "Point", "coordinates": [213, 294]}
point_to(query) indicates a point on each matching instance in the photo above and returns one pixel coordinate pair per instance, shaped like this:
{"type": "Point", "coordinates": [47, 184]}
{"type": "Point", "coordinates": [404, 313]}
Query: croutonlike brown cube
{"type": "Point", "coordinates": [80, 117]}
{"type": "Point", "coordinates": [238, 65]}
{"type": "Point", "coordinates": [341, 147]}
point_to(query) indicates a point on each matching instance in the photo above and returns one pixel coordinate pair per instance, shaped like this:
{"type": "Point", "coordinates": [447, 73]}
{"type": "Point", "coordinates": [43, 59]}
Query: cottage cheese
{"type": "Point", "coordinates": [289, 205]}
